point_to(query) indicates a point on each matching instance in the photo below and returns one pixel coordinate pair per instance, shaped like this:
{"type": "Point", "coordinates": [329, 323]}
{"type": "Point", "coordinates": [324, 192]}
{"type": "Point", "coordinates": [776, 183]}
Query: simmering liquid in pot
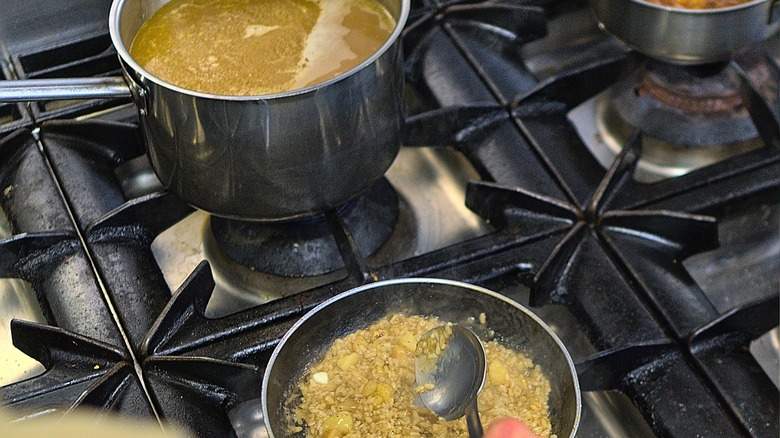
{"type": "Point", "coordinates": [254, 47]}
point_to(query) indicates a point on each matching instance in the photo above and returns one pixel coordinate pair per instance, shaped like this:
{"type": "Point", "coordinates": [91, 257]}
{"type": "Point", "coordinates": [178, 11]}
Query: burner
{"type": "Point", "coordinates": [690, 117]}
{"type": "Point", "coordinates": [428, 184]}
{"type": "Point", "coordinates": [691, 107]}
{"type": "Point", "coordinates": [697, 90]}
{"type": "Point", "coordinates": [307, 247]}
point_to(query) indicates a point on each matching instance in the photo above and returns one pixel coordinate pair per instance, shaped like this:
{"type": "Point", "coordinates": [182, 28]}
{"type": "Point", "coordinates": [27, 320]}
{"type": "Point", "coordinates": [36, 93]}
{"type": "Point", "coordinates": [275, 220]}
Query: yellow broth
{"type": "Point", "coordinates": [255, 47]}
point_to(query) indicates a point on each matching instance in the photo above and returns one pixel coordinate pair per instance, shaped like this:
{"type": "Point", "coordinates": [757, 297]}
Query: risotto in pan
{"type": "Point", "coordinates": [364, 387]}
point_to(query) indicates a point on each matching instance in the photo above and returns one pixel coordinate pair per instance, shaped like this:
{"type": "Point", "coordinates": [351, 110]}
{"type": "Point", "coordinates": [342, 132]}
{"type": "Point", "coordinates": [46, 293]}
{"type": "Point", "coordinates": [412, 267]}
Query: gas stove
{"type": "Point", "coordinates": [542, 159]}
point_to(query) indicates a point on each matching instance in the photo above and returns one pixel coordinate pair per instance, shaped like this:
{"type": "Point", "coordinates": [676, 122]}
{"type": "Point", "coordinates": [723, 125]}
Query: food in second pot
{"type": "Point", "coordinates": [698, 4]}
{"type": "Point", "coordinates": [256, 47]}
{"type": "Point", "coordinates": [364, 386]}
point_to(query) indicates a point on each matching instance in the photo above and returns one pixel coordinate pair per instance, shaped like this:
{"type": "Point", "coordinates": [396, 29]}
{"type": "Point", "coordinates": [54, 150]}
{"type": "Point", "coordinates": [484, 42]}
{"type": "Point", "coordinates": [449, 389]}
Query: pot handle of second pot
{"type": "Point", "coordinates": [27, 90]}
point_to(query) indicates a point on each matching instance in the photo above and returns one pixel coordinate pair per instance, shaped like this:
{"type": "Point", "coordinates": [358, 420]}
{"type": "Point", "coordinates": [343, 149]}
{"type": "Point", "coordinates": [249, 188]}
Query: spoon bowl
{"type": "Point", "coordinates": [449, 367]}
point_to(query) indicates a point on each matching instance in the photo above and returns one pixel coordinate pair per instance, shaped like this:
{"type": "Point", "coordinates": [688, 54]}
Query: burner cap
{"type": "Point", "coordinates": [686, 106]}
{"type": "Point", "coordinates": [306, 247]}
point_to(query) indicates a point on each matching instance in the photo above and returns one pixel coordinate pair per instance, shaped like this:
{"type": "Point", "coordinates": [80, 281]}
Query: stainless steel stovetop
{"type": "Point", "coordinates": [517, 204]}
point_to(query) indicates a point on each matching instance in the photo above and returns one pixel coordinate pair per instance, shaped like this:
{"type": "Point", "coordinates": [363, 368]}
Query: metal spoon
{"type": "Point", "coordinates": [449, 365]}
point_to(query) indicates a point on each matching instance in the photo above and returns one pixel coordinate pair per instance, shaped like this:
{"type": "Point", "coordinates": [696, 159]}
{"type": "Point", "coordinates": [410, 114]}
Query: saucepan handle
{"type": "Point", "coordinates": [63, 89]}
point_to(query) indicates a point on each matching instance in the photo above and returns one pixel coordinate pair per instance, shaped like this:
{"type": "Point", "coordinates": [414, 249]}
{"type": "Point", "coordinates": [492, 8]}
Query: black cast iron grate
{"type": "Point", "coordinates": [606, 248]}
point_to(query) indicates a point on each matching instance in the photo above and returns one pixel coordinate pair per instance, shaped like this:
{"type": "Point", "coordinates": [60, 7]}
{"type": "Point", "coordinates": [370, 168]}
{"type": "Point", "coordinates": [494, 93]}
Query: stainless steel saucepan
{"type": "Point", "coordinates": [687, 36]}
{"type": "Point", "coordinates": [270, 157]}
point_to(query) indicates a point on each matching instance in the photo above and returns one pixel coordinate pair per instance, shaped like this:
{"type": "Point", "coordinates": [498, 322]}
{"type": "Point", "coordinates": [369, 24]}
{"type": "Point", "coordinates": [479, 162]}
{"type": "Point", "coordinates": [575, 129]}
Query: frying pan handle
{"type": "Point", "coordinates": [63, 89]}
{"type": "Point", "coordinates": [473, 423]}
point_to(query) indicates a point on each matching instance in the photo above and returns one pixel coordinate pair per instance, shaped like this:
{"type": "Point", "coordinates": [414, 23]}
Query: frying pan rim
{"type": "Point", "coordinates": [423, 280]}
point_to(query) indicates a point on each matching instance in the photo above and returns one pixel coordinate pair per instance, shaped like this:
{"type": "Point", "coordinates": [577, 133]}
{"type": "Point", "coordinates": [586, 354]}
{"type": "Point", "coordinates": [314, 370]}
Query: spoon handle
{"type": "Point", "coordinates": [472, 420]}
